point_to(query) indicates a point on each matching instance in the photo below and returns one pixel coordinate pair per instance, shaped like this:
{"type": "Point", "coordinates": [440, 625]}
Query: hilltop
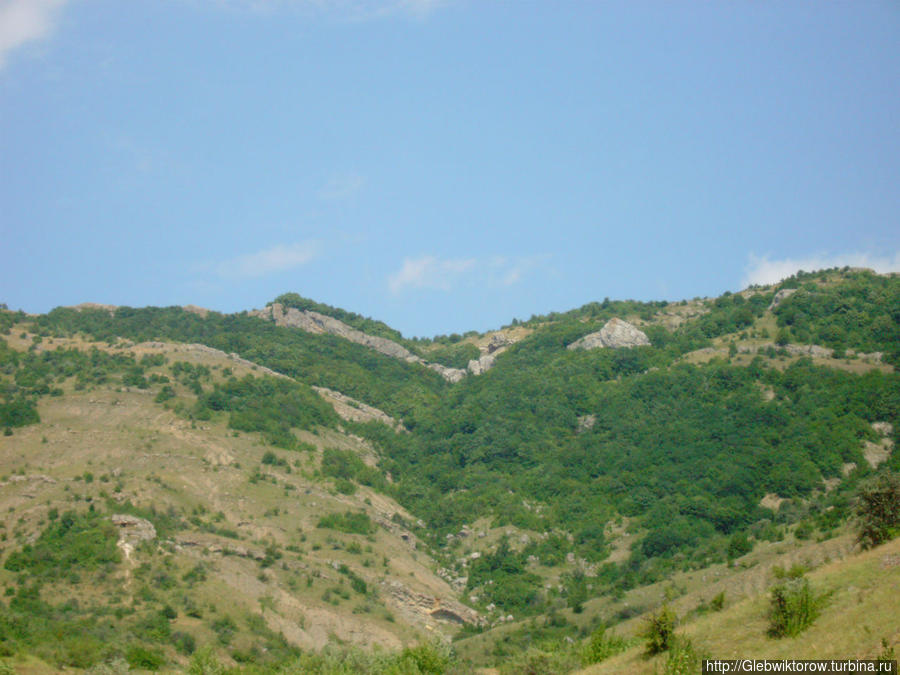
{"type": "Point", "coordinates": [280, 481]}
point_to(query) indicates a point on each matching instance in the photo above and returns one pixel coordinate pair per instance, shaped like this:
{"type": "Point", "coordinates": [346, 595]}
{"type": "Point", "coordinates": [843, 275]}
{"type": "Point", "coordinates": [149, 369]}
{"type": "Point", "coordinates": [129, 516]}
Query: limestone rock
{"type": "Point", "coordinates": [616, 334]}
{"type": "Point", "coordinates": [132, 528]}
{"type": "Point", "coordinates": [780, 296]}
{"type": "Point", "coordinates": [314, 322]}
{"type": "Point", "coordinates": [356, 411]}
{"type": "Point", "coordinates": [482, 364]}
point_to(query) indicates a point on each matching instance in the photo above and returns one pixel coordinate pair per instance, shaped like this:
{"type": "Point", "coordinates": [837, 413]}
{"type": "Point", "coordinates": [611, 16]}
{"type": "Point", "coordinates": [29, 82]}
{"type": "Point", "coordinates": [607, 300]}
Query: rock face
{"type": "Point", "coordinates": [781, 295]}
{"type": "Point", "coordinates": [428, 606]}
{"type": "Point", "coordinates": [616, 334]}
{"type": "Point", "coordinates": [481, 365]}
{"type": "Point", "coordinates": [314, 322]}
{"type": "Point", "coordinates": [133, 529]}
{"type": "Point", "coordinates": [356, 411]}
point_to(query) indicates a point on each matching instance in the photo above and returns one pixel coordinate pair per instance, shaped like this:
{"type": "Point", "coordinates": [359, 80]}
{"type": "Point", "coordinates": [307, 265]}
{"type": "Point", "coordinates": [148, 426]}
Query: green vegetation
{"type": "Point", "coordinates": [878, 509]}
{"type": "Point", "coordinates": [84, 541]}
{"type": "Point", "coordinates": [397, 387]}
{"type": "Point", "coordinates": [351, 522]}
{"type": "Point", "coordinates": [862, 312]}
{"type": "Point", "coordinates": [269, 405]}
{"type": "Point", "coordinates": [793, 606]}
{"type": "Point", "coordinates": [660, 631]}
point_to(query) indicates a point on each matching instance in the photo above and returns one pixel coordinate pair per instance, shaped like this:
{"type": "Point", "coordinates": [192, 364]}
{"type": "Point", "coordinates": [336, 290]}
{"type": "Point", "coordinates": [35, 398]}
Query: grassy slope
{"type": "Point", "coordinates": [861, 611]}
{"type": "Point", "coordinates": [137, 450]}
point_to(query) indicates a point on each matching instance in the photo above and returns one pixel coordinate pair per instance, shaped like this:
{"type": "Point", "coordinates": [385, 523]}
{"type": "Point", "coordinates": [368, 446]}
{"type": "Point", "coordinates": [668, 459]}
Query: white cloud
{"type": "Point", "coordinates": [436, 274]}
{"type": "Point", "coordinates": [430, 272]}
{"type": "Point", "coordinates": [276, 259]}
{"type": "Point", "coordinates": [23, 21]}
{"type": "Point", "coordinates": [764, 271]}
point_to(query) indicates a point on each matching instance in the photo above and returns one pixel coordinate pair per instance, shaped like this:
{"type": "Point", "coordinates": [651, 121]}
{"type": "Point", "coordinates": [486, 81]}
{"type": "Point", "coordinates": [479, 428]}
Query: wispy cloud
{"type": "Point", "coordinates": [269, 261]}
{"type": "Point", "coordinates": [342, 187]}
{"type": "Point", "coordinates": [764, 271]}
{"type": "Point", "coordinates": [23, 21]}
{"type": "Point", "coordinates": [431, 272]}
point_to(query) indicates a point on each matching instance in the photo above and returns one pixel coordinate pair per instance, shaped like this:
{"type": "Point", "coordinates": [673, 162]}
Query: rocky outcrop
{"type": "Point", "coordinates": [314, 322]}
{"type": "Point", "coordinates": [440, 609]}
{"type": "Point", "coordinates": [449, 374]}
{"type": "Point", "coordinates": [780, 296]}
{"type": "Point", "coordinates": [356, 411]}
{"type": "Point", "coordinates": [133, 529]}
{"type": "Point", "coordinates": [615, 334]}
{"type": "Point", "coordinates": [482, 364]}
{"type": "Point", "coordinates": [586, 423]}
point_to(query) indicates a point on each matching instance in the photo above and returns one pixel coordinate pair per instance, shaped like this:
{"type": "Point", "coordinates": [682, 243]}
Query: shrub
{"type": "Point", "coordinates": [143, 658]}
{"type": "Point", "coordinates": [349, 522]}
{"type": "Point", "coordinates": [684, 658]}
{"type": "Point", "coordinates": [660, 630]}
{"type": "Point", "coordinates": [793, 607]}
{"type": "Point", "coordinates": [204, 662]}
{"type": "Point", "coordinates": [878, 510]}
{"type": "Point", "coordinates": [601, 646]}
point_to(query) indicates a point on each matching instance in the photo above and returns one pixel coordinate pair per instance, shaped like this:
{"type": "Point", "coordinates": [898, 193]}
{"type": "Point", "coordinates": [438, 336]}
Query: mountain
{"type": "Point", "coordinates": [185, 487]}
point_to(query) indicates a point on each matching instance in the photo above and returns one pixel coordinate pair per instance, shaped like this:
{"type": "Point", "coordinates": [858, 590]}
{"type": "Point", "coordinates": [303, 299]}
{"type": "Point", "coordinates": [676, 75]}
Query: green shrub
{"type": "Point", "coordinates": [878, 509]}
{"type": "Point", "coordinates": [143, 658]}
{"type": "Point", "coordinates": [660, 630]}
{"type": "Point", "coordinates": [793, 607]}
{"type": "Point", "coordinates": [349, 522]}
{"type": "Point", "coordinates": [684, 658]}
{"type": "Point", "coordinates": [601, 646]}
{"type": "Point", "coordinates": [204, 662]}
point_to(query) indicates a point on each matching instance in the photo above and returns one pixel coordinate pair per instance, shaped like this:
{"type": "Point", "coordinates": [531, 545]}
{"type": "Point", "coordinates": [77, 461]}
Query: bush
{"type": "Point", "coordinates": [204, 662]}
{"type": "Point", "coordinates": [793, 607]}
{"type": "Point", "coordinates": [878, 510]}
{"type": "Point", "coordinates": [349, 522]}
{"type": "Point", "coordinates": [143, 658]}
{"type": "Point", "coordinates": [684, 658]}
{"type": "Point", "coordinates": [660, 630]}
{"type": "Point", "coordinates": [601, 646]}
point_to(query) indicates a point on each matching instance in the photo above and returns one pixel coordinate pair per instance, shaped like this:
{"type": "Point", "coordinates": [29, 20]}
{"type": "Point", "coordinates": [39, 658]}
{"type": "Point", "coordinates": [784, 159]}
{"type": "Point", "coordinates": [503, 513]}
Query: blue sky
{"type": "Point", "coordinates": [440, 165]}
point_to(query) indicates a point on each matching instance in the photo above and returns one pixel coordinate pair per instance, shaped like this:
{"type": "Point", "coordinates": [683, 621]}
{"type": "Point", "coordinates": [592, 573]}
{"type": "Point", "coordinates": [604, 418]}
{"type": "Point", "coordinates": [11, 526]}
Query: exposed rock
{"type": "Point", "coordinates": [18, 478]}
{"type": "Point", "coordinates": [586, 423]}
{"type": "Point", "coordinates": [814, 351]}
{"type": "Point", "coordinates": [449, 374]}
{"type": "Point", "coordinates": [314, 322]}
{"type": "Point", "coordinates": [780, 296]}
{"type": "Point", "coordinates": [498, 341]}
{"type": "Point", "coordinates": [193, 309]}
{"type": "Point", "coordinates": [356, 411]}
{"type": "Point", "coordinates": [878, 453]}
{"type": "Point", "coordinates": [132, 531]}
{"type": "Point", "coordinates": [615, 334]}
{"type": "Point", "coordinates": [132, 528]}
{"type": "Point", "coordinates": [428, 606]}
{"type": "Point", "coordinates": [482, 364]}
{"type": "Point", "coordinates": [771, 501]}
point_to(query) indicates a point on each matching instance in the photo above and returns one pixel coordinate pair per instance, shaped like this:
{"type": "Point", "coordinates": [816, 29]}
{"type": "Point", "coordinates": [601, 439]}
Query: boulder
{"type": "Point", "coordinates": [615, 334]}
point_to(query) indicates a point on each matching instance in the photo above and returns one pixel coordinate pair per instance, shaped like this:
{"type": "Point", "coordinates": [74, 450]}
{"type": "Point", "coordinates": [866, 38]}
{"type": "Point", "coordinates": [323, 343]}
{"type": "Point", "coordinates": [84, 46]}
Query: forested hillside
{"type": "Point", "coordinates": [557, 476]}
